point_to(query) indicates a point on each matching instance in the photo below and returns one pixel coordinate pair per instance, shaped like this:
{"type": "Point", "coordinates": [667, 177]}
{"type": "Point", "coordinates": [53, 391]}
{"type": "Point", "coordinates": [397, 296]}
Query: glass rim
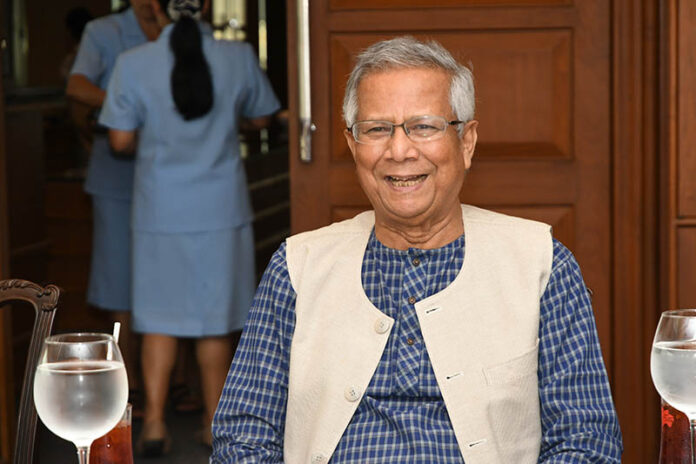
{"type": "Point", "coordinates": [80, 337]}
{"type": "Point", "coordinates": [691, 312]}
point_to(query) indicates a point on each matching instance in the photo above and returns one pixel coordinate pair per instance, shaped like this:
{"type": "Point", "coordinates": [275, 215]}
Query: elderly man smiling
{"type": "Point", "coordinates": [424, 331]}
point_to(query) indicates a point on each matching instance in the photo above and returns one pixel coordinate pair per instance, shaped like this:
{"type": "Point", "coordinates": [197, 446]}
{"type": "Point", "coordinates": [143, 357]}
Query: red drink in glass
{"type": "Point", "coordinates": [116, 447]}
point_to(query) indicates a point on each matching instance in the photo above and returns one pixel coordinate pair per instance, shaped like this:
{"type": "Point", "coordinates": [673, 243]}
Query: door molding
{"type": "Point", "coordinates": [635, 233]}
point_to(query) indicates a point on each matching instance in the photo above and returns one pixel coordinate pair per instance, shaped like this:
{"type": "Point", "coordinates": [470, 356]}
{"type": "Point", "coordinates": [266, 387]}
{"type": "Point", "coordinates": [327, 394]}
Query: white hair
{"type": "Point", "coordinates": [407, 52]}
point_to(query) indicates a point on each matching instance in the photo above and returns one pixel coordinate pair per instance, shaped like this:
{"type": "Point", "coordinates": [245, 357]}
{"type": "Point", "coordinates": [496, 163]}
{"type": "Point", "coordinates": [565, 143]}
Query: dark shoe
{"type": "Point", "coordinates": [184, 400]}
{"type": "Point", "coordinates": [153, 448]}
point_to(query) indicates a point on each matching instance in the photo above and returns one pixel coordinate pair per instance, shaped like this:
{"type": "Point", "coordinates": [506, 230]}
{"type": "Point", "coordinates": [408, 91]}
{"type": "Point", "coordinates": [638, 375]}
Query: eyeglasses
{"type": "Point", "coordinates": [418, 129]}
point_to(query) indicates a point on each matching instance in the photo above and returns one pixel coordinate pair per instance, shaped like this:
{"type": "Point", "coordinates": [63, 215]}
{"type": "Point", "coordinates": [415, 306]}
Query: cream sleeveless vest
{"type": "Point", "coordinates": [480, 332]}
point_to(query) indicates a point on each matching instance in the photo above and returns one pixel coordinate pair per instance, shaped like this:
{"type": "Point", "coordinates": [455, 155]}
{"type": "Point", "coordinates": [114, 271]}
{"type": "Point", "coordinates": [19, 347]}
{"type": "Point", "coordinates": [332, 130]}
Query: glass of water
{"type": "Point", "coordinates": [80, 388]}
{"type": "Point", "coordinates": [673, 363]}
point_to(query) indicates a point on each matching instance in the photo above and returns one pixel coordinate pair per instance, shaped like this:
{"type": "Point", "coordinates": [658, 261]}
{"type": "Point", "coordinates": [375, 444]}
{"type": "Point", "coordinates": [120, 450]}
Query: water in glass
{"type": "Point", "coordinates": [80, 388]}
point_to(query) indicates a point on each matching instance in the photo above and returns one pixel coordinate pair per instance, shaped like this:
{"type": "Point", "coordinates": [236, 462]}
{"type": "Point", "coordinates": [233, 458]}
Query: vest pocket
{"type": "Point", "coordinates": [513, 407]}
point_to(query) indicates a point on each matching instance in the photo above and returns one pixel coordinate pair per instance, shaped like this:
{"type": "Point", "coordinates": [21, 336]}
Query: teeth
{"type": "Point", "coordinates": [405, 181]}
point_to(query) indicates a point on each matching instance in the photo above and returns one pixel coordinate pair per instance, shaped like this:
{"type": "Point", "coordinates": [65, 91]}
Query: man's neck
{"type": "Point", "coordinates": [426, 235]}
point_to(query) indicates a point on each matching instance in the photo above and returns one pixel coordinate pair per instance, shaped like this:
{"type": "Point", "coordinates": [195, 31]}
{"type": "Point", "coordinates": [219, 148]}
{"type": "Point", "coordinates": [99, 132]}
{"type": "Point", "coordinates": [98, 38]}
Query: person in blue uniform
{"type": "Point", "coordinates": [180, 100]}
{"type": "Point", "coordinates": [109, 179]}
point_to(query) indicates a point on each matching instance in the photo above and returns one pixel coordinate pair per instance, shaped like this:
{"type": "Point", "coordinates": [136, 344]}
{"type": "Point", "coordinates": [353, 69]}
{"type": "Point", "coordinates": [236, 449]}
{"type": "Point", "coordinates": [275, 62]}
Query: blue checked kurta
{"type": "Point", "coordinates": [402, 417]}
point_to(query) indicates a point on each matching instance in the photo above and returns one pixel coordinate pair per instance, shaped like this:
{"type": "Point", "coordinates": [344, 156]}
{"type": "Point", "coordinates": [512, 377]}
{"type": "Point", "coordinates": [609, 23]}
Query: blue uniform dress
{"type": "Point", "coordinates": [193, 245]}
{"type": "Point", "coordinates": [109, 179]}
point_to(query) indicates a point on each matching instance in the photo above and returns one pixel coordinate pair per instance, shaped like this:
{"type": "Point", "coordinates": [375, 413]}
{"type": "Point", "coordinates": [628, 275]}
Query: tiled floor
{"type": "Point", "coordinates": [182, 427]}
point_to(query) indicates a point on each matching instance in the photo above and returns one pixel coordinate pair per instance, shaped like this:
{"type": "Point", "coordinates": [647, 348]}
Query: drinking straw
{"type": "Point", "coordinates": [117, 330]}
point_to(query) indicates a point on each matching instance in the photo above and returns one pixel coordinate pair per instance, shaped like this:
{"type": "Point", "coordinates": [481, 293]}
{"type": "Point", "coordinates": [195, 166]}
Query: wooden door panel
{"type": "Point", "coordinates": [686, 112]}
{"type": "Point", "coordinates": [524, 112]}
{"type": "Point", "coordinates": [686, 267]}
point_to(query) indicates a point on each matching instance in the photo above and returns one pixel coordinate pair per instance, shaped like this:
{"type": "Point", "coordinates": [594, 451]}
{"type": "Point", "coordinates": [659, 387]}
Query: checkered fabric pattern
{"type": "Point", "coordinates": [402, 417]}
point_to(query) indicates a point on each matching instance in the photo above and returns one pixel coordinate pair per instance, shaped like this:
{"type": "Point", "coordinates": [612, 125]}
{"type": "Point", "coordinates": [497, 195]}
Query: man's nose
{"type": "Point", "coordinates": [400, 146]}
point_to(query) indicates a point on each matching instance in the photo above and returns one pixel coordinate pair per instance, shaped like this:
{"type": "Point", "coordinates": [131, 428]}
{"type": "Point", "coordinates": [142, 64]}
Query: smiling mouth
{"type": "Point", "coordinates": [407, 181]}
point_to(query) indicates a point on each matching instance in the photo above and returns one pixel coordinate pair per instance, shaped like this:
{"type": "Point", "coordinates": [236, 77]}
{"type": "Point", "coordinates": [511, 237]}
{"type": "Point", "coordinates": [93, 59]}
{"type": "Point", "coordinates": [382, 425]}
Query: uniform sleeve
{"type": "Point", "coordinates": [89, 60]}
{"type": "Point", "coordinates": [578, 419]}
{"type": "Point", "coordinates": [259, 99]}
{"type": "Point", "coordinates": [250, 419]}
{"type": "Point", "coordinates": [121, 108]}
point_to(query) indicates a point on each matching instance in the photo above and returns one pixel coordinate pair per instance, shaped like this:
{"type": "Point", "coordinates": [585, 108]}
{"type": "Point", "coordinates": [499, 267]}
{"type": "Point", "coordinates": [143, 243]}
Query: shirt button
{"type": "Point", "coordinates": [416, 261]}
{"type": "Point", "coordinates": [352, 394]}
{"type": "Point", "coordinates": [319, 459]}
{"type": "Point", "coordinates": [382, 326]}
{"type": "Point", "coordinates": [410, 341]}
{"type": "Point", "coordinates": [412, 299]}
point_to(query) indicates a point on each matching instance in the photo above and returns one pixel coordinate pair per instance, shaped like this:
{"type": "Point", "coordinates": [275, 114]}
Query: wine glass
{"type": "Point", "coordinates": [80, 388]}
{"type": "Point", "coordinates": [673, 364]}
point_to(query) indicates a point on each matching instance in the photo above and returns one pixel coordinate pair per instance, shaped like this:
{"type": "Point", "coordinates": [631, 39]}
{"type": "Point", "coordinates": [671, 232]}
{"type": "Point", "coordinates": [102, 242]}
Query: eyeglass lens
{"type": "Point", "coordinates": [418, 129]}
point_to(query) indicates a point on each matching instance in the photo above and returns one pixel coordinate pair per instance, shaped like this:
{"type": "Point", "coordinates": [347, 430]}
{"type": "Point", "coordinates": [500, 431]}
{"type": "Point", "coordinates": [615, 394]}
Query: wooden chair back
{"type": "Point", "coordinates": [45, 302]}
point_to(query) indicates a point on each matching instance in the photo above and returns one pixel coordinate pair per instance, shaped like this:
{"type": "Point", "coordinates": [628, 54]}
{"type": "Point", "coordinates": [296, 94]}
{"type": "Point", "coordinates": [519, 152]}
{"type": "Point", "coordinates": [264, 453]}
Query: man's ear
{"type": "Point", "coordinates": [351, 141]}
{"type": "Point", "coordinates": [468, 142]}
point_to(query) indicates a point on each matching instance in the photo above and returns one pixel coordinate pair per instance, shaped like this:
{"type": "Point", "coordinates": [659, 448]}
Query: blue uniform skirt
{"type": "Point", "coordinates": [110, 272]}
{"type": "Point", "coordinates": [193, 284]}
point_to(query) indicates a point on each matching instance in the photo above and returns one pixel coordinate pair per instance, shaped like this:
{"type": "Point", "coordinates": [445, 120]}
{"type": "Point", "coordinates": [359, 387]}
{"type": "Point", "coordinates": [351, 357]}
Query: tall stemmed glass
{"type": "Point", "coordinates": [80, 388]}
{"type": "Point", "coordinates": [673, 363]}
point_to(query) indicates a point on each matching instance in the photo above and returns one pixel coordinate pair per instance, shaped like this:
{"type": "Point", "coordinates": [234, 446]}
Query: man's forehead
{"type": "Point", "coordinates": [408, 91]}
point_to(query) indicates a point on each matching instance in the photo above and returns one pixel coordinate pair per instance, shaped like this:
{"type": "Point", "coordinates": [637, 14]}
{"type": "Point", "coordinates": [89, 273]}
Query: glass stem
{"type": "Point", "coordinates": [692, 428]}
{"type": "Point", "coordinates": [83, 454]}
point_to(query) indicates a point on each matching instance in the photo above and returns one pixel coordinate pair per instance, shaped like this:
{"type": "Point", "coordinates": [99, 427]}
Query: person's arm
{"type": "Point", "coordinates": [122, 142]}
{"type": "Point", "coordinates": [89, 66]}
{"type": "Point", "coordinates": [121, 112]}
{"type": "Point", "coordinates": [81, 89]}
{"type": "Point", "coordinates": [256, 123]}
{"type": "Point", "coordinates": [578, 419]}
{"type": "Point", "coordinates": [249, 423]}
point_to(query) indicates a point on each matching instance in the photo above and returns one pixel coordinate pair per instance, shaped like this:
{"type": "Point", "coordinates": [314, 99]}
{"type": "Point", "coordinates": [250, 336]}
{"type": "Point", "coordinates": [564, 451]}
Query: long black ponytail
{"type": "Point", "coordinates": [192, 83]}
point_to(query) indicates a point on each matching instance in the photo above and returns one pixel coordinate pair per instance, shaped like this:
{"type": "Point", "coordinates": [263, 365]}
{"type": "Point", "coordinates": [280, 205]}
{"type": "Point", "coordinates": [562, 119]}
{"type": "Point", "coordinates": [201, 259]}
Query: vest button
{"type": "Point", "coordinates": [352, 394]}
{"type": "Point", "coordinates": [319, 459]}
{"type": "Point", "coordinates": [382, 325]}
